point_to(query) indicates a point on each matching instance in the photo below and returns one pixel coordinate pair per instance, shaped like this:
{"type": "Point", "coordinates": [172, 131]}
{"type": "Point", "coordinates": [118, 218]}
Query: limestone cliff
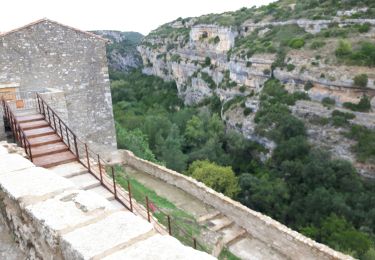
{"type": "Point", "coordinates": [232, 55]}
{"type": "Point", "coordinates": [121, 51]}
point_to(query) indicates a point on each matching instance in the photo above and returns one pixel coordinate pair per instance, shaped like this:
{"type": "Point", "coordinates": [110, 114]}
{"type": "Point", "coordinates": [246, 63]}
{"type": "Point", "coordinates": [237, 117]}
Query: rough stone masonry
{"type": "Point", "coordinates": [46, 54]}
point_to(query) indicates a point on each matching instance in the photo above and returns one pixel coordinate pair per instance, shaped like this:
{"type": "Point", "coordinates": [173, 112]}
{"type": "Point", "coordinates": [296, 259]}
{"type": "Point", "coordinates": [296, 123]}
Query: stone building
{"type": "Point", "coordinates": [46, 55]}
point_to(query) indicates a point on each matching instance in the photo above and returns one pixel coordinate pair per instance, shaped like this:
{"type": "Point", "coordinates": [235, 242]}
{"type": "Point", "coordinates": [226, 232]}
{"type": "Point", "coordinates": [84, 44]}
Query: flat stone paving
{"type": "Point", "coordinates": [80, 224]}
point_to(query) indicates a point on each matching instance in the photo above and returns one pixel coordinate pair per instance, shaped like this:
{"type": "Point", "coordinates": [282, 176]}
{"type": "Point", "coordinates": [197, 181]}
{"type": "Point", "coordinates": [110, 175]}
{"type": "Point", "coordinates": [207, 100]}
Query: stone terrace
{"type": "Point", "coordinates": [51, 218]}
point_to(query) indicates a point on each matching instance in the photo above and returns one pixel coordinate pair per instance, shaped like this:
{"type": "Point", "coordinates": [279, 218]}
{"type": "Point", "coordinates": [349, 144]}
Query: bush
{"type": "Point", "coordinates": [344, 49]}
{"type": "Point", "coordinates": [364, 28]}
{"type": "Point", "coordinates": [266, 72]}
{"type": "Point", "coordinates": [290, 67]}
{"type": "Point", "coordinates": [207, 61]}
{"type": "Point", "coordinates": [361, 80]}
{"type": "Point", "coordinates": [222, 179]}
{"type": "Point", "coordinates": [208, 79]}
{"type": "Point", "coordinates": [328, 102]}
{"type": "Point", "coordinates": [341, 118]}
{"type": "Point", "coordinates": [317, 45]}
{"type": "Point", "coordinates": [364, 105]}
{"type": "Point", "coordinates": [247, 111]}
{"type": "Point", "coordinates": [248, 64]}
{"type": "Point", "coordinates": [297, 43]}
{"type": "Point", "coordinates": [242, 89]}
{"type": "Point", "coordinates": [308, 85]}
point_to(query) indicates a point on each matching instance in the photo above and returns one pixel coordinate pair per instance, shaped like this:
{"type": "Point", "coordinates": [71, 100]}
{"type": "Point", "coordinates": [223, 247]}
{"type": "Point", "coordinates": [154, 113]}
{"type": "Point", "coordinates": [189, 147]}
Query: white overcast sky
{"type": "Point", "coordinates": [135, 15]}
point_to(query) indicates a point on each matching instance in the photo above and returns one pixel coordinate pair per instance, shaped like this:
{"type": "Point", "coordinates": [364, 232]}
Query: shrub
{"type": "Point", "coordinates": [176, 58]}
{"type": "Point", "coordinates": [207, 61]}
{"type": "Point", "coordinates": [266, 72]}
{"type": "Point", "coordinates": [341, 118]}
{"type": "Point", "coordinates": [308, 85]}
{"type": "Point", "coordinates": [364, 28]}
{"type": "Point", "coordinates": [317, 45]}
{"type": "Point", "coordinates": [208, 79]}
{"type": "Point", "coordinates": [328, 102]}
{"type": "Point", "coordinates": [222, 179]}
{"type": "Point", "coordinates": [247, 111]}
{"type": "Point", "coordinates": [361, 80]}
{"type": "Point", "coordinates": [290, 67]}
{"type": "Point", "coordinates": [242, 89]}
{"type": "Point", "coordinates": [364, 105]}
{"type": "Point", "coordinates": [248, 64]}
{"type": "Point", "coordinates": [216, 39]}
{"type": "Point", "coordinates": [344, 49]}
{"type": "Point", "coordinates": [297, 43]}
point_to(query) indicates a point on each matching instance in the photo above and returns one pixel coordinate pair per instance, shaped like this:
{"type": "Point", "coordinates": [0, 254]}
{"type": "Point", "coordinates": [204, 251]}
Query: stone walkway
{"type": "Point", "coordinates": [9, 249]}
{"type": "Point", "coordinates": [220, 230]}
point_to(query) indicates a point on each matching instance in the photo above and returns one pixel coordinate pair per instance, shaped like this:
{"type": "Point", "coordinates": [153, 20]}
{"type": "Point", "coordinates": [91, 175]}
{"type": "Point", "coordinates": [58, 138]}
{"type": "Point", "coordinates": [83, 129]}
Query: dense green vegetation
{"type": "Point", "coordinates": [322, 197]}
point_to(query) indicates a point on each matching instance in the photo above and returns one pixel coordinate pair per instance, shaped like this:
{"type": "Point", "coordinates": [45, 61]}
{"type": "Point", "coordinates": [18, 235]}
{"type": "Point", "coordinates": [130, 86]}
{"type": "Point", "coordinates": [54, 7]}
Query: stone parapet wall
{"type": "Point", "coordinates": [51, 218]}
{"type": "Point", "coordinates": [264, 228]}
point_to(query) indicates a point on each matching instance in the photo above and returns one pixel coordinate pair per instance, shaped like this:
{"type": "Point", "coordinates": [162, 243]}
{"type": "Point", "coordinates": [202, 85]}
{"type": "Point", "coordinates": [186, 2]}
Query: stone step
{"type": "Point", "coordinates": [48, 149]}
{"type": "Point", "coordinates": [208, 217]}
{"type": "Point", "coordinates": [220, 223]}
{"type": "Point", "coordinates": [43, 140]}
{"type": "Point", "coordinates": [232, 234]}
{"type": "Point", "coordinates": [42, 131]}
{"type": "Point", "coordinates": [29, 118]}
{"type": "Point", "coordinates": [116, 204]}
{"type": "Point", "coordinates": [85, 181]}
{"type": "Point", "coordinates": [103, 192]}
{"type": "Point", "coordinates": [51, 160]}
{"type": "Point", "coordinates": [69, 170]}
{"type": "Point", "coordinates": [34, 124]}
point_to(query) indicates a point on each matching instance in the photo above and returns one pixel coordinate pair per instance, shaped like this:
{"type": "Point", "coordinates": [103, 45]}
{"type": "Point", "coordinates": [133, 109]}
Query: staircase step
{"type": "Point", "coordinates": [26, 112]}
{"type": "Point", "coordinates": [34, 124]}
{"type": "Point", "coordinates": [85, 181]}
{"type": "Point", "coordinates": [220, 223]}
{"type": "Point", "coordinates": [51, 160]}
{"type": "Point", "coordinates": [39, 132]}
{"type": "Point", "coordinates": [43, 140]}
{"type": "Point", "coordinates": [48, 149]}
{"type": "Point", "coordinates": [29, 118]}
{"type": "Point", "coordinates": [208, 217]}
{"type": "Point", "coordinates": [69, 170]}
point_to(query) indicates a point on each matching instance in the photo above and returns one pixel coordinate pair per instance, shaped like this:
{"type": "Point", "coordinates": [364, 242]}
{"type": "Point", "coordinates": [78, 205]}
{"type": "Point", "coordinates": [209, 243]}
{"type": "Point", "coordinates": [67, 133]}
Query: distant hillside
{"type": "Point", "coordinates": [122, 53]}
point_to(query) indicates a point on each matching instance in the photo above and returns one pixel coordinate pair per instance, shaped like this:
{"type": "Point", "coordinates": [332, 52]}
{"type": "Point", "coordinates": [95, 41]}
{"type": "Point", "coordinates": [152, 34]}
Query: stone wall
{"type": "Point", "coordinates": [46, 54]}
{"type": "Point", "coordinates": [271, 232]}
{"type": "Point", "coordinates": [51, 218]}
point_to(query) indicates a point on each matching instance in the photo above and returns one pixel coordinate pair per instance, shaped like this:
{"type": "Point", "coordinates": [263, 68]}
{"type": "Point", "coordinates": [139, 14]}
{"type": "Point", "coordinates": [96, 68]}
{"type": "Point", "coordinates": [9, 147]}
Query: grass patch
{"type": "Point", "coordinates": [227, 255]}
{"type": "Point", "coordinates": [184, 226]}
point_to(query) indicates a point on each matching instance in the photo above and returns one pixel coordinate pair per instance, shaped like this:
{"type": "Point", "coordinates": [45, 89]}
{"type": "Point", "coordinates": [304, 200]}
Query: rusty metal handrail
{"type": "Point", "coordinates": [98, 168]}
{"type": "Point", "coordinates": [89, 159]}
{"type": "Point", "coordinates": [17, 131]}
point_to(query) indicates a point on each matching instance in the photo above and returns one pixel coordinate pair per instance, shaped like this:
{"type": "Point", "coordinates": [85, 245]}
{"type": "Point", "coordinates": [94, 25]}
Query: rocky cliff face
{"type": "Point", "coordinates": [235, 61]}
{"type": "Point", "coordinates": [122, 53]}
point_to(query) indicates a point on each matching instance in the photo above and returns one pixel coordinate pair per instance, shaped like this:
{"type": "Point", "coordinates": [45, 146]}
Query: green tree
{"type": "Point", "coordinates": [134, 141]}
{"type": "Point", "coordinates": [195, 133]}
{"type": "Point", "coordinates": [171, 152]}
{"type": "Point", "coordinates": [219, 178]}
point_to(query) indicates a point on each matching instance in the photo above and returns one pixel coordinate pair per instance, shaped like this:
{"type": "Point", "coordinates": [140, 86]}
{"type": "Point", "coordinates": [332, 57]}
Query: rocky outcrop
{"type": "Point", "coordinates": [121, 51]}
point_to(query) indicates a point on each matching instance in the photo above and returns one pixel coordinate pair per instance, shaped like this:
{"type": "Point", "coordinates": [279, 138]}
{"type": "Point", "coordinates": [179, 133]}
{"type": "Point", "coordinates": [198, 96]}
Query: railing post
{"type": "Point", "coordinates": [194, 243]}
{"type": "Point", "coordinates": [49, 117]}
{"type": "Point", "coordinates": [87, 157]}
{"type": "Point", "coordinates": [148, 210]}
{"type": "Point", "coordinates": [75, 145]}
{"type": "Point", "coordinates": [54, 121]}
{"type": "Point", "coordinates": [169, 225]}
{"type": "Point", "coordinates": [67, 136]}
{"type": "Point", "coordinates": [37, 98]}
{"type": "Point", "coordinates": [100, 170]}
{"type": "Point", "coordinates": [130, 196]}
{"type": "Point", "coordinates": [114, 181]}
{"type": "Point", "coordinates": [62, 136]}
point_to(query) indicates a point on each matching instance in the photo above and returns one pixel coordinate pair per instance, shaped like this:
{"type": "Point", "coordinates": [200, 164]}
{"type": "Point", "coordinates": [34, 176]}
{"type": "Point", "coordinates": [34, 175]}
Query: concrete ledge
{"type": "Point", "coordinates": [51, 218]}
{"type": "Point", "coordinates": [271, 232]}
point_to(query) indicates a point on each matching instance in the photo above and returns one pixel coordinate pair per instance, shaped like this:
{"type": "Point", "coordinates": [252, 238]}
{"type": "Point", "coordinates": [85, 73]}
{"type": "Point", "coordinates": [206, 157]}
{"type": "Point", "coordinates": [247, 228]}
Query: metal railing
{"type": "Point", "coordinates": [19, 135]}
{"type": "Point", "coordinates": [106, 174]}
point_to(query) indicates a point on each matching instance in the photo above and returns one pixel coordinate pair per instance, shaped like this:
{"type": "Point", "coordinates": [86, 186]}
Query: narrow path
{"type": "Point", "coordinates": [217, 229]}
